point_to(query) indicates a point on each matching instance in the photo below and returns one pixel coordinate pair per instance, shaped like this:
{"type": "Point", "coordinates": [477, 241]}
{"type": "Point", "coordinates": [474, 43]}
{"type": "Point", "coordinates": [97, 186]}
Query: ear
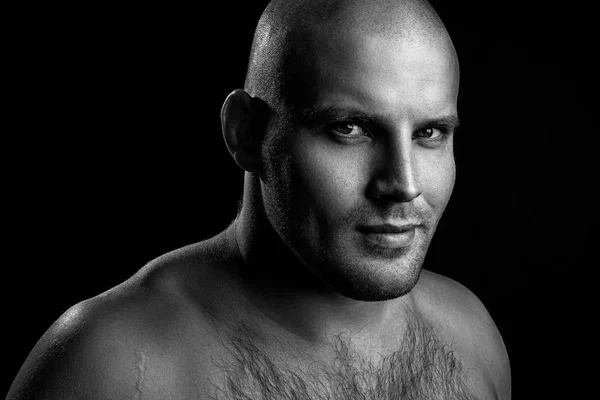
{"type": "Point", "coordinates": [238, 122]}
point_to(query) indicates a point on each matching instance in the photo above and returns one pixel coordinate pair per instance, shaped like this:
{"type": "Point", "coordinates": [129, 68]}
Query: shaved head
{"type": "Point", "coordinates": [362, 103]}
{"type": "Point", "coordinates": [290, 34]}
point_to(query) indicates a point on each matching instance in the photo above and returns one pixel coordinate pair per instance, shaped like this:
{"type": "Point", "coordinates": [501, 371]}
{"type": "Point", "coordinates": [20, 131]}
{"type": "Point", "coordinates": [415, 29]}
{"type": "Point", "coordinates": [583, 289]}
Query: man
{"type": "Point", "coordinates": [316, 290]}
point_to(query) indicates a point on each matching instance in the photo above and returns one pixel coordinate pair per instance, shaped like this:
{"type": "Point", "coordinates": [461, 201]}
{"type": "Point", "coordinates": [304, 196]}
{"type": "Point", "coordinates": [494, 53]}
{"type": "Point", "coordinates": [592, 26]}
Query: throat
{"type": "Point", "coordinates": [257, 366]}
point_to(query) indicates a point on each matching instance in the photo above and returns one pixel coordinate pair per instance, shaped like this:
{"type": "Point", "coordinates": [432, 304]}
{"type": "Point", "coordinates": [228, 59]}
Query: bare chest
{"type": "Point", "coordinates": [422, 368]}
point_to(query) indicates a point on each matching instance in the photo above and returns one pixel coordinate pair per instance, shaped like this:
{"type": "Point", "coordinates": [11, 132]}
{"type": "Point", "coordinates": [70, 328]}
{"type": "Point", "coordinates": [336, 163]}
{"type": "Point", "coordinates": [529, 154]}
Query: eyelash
{"type": "Point", "coordinates": [444, 131]}
{"type": "Point", "coordinates": [331, 127]}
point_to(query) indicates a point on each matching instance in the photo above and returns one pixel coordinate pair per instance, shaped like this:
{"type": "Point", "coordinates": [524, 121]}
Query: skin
{"type": "Point", "coordinates": [345, 174]}
{"type": "Point", "coordinates": [296, 261]}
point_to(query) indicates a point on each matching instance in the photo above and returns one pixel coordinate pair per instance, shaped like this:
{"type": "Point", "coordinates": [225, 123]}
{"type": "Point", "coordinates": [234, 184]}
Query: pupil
{"type": "Point", "coordinates": [345, 128]}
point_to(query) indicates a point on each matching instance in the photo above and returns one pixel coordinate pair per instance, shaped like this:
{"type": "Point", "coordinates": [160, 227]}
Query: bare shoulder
{"type": "Point", "coordinates": [464, 322]}
{"type": "Point", "coordinates": [134, 341]}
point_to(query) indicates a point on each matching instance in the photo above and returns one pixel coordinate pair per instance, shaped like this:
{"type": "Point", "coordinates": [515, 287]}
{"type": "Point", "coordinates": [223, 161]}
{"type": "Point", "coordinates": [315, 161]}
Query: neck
{"type": "Point", "coordinates": [289, 295]}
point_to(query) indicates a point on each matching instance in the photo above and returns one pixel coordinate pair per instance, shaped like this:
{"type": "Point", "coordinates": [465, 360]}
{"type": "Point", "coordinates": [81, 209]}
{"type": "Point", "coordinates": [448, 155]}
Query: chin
{"type": "Point", "coordinates": [362, 271]}
{"type": "Point", "coordinates": [374, 280]}
{"type": "Point", "coordinates": [371, 273]}
{"type": "Point", "coordinates": [362, 293]}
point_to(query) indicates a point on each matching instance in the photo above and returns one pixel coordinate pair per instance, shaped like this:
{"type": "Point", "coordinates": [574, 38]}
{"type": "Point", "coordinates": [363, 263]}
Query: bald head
{"type": "Point", "coordinates": [291, 33]}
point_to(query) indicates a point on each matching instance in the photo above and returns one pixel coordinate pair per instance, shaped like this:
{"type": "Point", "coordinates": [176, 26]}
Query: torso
{"type": "Point", "coordinates": [224, 352]}
{"type": "Point", "coordinates": [255, 366]}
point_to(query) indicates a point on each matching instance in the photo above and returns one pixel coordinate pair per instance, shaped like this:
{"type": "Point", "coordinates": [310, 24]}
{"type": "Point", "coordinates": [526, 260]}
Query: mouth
{"type": "Point", "coordinates": [389, 235]}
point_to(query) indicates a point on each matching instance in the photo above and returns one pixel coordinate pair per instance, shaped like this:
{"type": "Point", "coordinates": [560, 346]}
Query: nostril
{"type": "Point", "coordinates": [393, 190]}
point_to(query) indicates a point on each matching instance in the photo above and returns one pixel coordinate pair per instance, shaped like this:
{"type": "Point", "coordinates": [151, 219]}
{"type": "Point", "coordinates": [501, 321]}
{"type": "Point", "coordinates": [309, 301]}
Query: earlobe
{"type": "Point", "coordinates": [237, 117]}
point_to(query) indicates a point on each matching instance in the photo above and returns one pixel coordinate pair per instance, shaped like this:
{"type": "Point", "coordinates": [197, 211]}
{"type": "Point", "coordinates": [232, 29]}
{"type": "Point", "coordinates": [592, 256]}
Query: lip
{"type": "Point", "coordinates": [386, 228]}
{"type": "Point", "coordinates": [389, 235]}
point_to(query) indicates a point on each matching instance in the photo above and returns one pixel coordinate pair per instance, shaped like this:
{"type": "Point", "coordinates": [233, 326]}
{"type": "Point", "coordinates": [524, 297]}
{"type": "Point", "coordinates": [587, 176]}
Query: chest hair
{"type": "Point", "coordinates": [422, 368]}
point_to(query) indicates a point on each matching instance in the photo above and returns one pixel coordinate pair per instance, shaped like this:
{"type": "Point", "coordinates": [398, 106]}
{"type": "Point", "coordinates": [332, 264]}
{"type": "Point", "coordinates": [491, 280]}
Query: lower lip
{"type": "Point", "coordinates": [391, 240]}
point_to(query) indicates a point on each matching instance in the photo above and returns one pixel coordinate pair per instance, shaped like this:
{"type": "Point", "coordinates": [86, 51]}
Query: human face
{"type": "Point", "coordinates": [369, 165]}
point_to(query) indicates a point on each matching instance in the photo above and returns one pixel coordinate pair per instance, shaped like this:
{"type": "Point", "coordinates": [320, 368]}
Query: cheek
{"type": "Point", "coordinates": [436, 178]}
{"type": "Point", "coordinates": [332, 180]}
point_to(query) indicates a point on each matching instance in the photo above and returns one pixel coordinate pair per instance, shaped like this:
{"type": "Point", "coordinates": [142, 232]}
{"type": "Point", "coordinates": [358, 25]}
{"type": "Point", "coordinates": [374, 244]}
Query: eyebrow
{"type": "Point", "coordinates": [320, 115]}
{"type": "Point", "coordinates": [317, 115]}
{"type": "Point", "coordinates": [449, 122]}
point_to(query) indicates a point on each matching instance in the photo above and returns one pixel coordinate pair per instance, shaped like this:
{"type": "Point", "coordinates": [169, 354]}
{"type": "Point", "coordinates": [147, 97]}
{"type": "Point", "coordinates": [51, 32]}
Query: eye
{"type": "Point", "coordinates": [346, 129]}
{"type": "Point", "coordinates": [429, 133]}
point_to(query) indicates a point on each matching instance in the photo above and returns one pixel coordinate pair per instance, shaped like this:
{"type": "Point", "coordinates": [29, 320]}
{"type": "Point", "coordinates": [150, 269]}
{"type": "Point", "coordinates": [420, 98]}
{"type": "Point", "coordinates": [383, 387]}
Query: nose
{"type": "Point", "coordinates": [396, 177]}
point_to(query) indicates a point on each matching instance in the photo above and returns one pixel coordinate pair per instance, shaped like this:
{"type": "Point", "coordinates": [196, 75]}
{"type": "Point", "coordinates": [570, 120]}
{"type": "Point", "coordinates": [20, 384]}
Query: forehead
{"type": "Point", "coordinates": [393, 76]}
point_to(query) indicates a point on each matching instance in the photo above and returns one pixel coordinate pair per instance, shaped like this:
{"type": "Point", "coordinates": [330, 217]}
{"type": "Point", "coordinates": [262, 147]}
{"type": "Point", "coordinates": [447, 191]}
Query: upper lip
{"type": "Point", "coordinates": [387, 228]}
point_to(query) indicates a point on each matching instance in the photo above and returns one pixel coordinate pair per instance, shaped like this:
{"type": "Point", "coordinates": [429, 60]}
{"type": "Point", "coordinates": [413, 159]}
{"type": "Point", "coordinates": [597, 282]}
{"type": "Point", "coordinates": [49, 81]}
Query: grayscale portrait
{"type": "Point", "coordinates": [300, 199]}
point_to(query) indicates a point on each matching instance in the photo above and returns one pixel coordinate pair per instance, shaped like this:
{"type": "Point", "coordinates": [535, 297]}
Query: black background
{"type": "Point", "coordinates": [113, 155]}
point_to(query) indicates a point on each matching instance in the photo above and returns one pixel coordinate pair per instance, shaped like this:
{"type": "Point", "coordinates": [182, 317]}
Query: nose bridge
{"type": "Point", "coordinates": [400, 156]}
{"type": "Point", "coordinates": [398, 177]}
